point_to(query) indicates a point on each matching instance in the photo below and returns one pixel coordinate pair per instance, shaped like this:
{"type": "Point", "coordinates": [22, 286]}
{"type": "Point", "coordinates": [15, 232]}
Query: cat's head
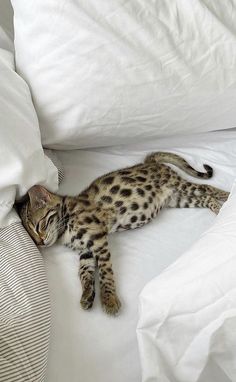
{"type": "Point", "coordinates": [41, 215]}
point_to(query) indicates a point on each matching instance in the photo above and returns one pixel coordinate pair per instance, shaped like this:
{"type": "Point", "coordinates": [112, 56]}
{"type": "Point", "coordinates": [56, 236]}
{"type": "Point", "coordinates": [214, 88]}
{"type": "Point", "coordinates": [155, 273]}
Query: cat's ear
{"type": "Point", "coordinates": [39, 197]}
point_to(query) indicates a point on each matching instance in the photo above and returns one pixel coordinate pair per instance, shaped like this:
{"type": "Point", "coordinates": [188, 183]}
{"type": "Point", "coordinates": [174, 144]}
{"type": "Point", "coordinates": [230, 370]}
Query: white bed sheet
{"type": "Point", "coordinates": [88, 346]}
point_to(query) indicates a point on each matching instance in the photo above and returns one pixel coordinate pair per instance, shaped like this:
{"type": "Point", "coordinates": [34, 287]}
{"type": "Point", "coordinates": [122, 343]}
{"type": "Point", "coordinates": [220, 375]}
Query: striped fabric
{"type": "Point", "coordinates": [54, 158]}
{"type": "Point", "coordinates": [24, 308]}
{"type": "Point", "coordinates": [24, 305]}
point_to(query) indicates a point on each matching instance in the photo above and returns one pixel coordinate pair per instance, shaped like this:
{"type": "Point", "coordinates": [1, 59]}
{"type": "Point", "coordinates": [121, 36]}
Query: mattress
{"type": "Point", "coordinates": [89, 345]}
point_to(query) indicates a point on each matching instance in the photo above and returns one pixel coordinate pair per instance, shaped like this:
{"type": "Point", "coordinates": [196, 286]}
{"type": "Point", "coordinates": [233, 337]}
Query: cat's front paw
{"type": "Point", "coordinates": [87, 299]}
{"type": "Point", "coordinates": [110, 303]}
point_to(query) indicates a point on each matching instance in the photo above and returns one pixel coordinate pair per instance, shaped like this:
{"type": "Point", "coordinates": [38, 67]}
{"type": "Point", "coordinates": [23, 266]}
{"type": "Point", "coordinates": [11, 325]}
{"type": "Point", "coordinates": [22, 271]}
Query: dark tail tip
{"type": "Point", "coordinates": [209, 171]}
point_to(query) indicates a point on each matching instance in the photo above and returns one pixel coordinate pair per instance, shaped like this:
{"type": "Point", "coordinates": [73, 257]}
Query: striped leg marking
{"type": "Point", "coordinates": [87, 278]}
{"type": "Point", "coordinates": [109, 300]}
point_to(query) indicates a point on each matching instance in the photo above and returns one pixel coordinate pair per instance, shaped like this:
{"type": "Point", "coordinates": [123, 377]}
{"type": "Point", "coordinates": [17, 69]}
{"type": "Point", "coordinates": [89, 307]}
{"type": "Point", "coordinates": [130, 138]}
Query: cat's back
{"type": "Point", "coordinates": [122, 183]}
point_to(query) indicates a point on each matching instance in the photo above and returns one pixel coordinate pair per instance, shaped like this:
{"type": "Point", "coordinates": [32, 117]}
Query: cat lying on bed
{"type": "Point", "coordinates": [121, 200]}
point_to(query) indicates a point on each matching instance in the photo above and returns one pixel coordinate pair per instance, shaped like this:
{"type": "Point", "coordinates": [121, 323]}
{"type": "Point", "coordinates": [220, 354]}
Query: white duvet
{"type": "Point", "coordinates": [187, 319]}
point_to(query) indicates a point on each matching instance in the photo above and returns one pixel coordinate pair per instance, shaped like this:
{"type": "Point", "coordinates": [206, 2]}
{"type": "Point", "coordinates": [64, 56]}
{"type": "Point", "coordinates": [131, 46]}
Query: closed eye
{"type": "Point", "coordinates": [32, 227]}
{"type": "Point", "coordinates": [37, 227]}
{"type": "Point", "coordinates": [50, 220]}
{"type": "Point", "coordinates": [43, 224]}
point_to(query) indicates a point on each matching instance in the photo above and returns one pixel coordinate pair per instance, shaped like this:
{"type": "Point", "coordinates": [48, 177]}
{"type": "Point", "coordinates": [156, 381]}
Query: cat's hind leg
{"type": "Point", "coordinates": [217, 193]}
{"type": "Point", "coordinates": [210, 202]}
{"type": "Point", "coordinates": [183, 200]}
{"type": "Point", "coordinates": [87, 278]}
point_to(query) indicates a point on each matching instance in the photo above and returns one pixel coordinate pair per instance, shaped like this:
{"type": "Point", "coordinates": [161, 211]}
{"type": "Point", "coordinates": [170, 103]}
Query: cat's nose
{"type": "Point", "coordinates": [41, 244]}
{"type": "Point", "coordinates": [38, 241]}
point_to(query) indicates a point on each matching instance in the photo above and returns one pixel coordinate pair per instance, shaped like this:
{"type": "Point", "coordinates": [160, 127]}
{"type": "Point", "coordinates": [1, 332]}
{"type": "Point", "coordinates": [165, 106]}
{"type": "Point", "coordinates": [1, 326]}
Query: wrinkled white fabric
{"type": "Point", "coordinates": [188, 313]}
{"type": "Point", "coordinates": [22, 160]}
{"type": "Point", "coordinates": [114, 71]}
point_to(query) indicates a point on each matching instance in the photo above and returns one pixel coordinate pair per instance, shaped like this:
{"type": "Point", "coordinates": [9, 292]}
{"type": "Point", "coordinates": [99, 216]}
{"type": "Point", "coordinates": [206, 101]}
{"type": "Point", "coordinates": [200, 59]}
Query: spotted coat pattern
{"type": "Point", "coordinates": [121, 200]}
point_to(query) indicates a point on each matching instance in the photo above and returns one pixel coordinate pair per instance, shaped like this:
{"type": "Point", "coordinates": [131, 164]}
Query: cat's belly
{"type": "Point", "coordinates": [133, 219]}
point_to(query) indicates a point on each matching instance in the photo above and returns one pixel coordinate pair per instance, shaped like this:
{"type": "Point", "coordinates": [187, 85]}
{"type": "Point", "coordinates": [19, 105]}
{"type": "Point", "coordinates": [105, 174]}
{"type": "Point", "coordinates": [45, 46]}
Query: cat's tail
{"type": "Point", "coordinates": [178, 161]}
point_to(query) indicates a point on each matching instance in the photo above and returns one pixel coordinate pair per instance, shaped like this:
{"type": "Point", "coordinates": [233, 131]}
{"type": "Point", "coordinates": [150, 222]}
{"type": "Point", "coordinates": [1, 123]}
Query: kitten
{"type": "Point", "coordinates": [121, 200]}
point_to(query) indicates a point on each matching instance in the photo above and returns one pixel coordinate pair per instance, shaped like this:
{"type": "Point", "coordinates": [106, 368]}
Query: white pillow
{"type": "Point", "coordinates": [22, 160]}
{"type": "Point", "coordinates": [111, 71]}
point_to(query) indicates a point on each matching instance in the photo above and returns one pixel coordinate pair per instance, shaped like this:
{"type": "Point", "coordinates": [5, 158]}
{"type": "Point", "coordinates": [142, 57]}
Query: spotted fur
{"type": "Point", "coordinates": [121, 200]}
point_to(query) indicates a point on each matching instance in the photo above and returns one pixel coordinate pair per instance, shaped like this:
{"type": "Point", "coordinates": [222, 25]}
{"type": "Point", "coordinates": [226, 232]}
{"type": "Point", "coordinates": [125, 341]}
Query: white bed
{"type": "Point", "coordinates": [88, 346]}
{"type": "Point", "coordinates": [119, 74]}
